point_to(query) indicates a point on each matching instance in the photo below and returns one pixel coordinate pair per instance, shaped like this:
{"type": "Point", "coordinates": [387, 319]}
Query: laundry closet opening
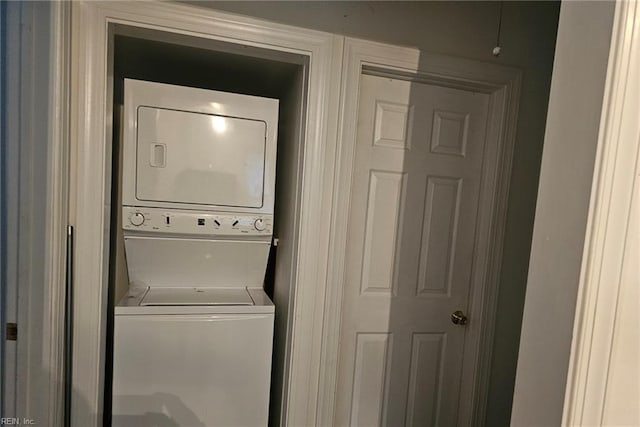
{"type": "Point", "coordinates": [184, 60]}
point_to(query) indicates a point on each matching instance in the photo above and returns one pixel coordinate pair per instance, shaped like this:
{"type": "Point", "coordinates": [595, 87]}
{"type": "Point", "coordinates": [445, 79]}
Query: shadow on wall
{"type": "Point", "coordinates": [154, 410]}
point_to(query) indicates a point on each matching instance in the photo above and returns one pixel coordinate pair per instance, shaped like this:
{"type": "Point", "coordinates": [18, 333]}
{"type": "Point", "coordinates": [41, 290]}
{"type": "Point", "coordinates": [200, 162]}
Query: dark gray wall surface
{"type": "Point", "coordinates": [571, 138]}
{"type": "Point", "coordinates": [469, 30]}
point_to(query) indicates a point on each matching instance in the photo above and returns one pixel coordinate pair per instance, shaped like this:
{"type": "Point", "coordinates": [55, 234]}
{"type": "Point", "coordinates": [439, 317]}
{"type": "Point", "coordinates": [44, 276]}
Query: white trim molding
{"type": "Point", "coordinates": [502, 84]}
{"type": "Point", "coordinates": [37, 188]}
{"type": "Point", "coordinates": [57, 211]}
{"type": "Point", "coordinates": [615, 184]}
{"type": "Point", "coordinates": [90, 182]}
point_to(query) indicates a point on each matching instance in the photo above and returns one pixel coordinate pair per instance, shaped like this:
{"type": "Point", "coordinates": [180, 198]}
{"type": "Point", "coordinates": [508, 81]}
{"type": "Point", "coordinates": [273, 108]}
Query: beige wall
{"type": "Point", "coordinates": [464, 29]}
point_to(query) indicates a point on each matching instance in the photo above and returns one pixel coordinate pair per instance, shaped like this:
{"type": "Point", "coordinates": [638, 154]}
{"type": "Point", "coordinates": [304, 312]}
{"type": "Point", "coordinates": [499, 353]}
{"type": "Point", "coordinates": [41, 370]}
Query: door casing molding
{"type": "Point", "coordinates": [90, 182]}
{"type": "Point", "coordinates": [615, 174]}
{"type": "Point", "coordinates": [503, 85]}
{"type": "Point", "coordinates": [37, 174]}
{"type": "Point", "coordinates": [57, 211]}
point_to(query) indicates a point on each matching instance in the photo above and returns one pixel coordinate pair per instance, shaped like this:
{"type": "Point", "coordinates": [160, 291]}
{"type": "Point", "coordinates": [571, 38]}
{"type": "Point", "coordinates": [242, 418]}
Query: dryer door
{"type": "Point", "coordinates": [197, 158]}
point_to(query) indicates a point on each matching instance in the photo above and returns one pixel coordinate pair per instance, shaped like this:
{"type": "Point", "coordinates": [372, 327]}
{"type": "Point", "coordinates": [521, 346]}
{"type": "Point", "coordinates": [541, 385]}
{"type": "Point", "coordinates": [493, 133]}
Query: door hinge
{"type": "Point", "coordinates": [12, 331]}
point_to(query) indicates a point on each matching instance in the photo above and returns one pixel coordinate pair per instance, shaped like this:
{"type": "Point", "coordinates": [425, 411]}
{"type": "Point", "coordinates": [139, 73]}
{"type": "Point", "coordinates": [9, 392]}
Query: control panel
{"type": "Point", "coordinates": [189, 222]}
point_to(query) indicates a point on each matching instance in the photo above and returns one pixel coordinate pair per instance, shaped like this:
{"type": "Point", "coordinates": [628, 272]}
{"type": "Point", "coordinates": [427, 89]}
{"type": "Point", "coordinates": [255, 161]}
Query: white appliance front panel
{"type": "Point", "coordinates": [196, 158]}
{"type": "Point", "coordinates": [189, 370]}
{"type": "Point", "coordinates": [178, 262]}
{"type": "Point", "coordinates": [182, 222]}
{"type": "Point", "coordinates": [199, 149]}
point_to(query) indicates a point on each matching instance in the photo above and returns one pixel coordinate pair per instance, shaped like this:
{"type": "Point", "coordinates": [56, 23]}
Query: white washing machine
{"type": "Point", "coordinates": [193, 336]}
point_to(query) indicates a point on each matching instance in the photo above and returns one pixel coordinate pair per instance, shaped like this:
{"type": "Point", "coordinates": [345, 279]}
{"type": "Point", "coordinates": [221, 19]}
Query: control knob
{"type": "Point", "coordinates": [137, 219]}
{"type": "Point", "coordinates": [259, 224]}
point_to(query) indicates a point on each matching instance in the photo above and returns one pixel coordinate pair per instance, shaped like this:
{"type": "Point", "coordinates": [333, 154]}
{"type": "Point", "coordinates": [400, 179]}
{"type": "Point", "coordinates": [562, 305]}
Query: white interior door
{"type": "Point", "coordinates": [410, 252]}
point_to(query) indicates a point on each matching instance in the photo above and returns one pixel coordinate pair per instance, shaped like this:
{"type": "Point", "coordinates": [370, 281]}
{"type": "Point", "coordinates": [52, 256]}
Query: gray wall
{"type": "Point", "coordinates": [561, 214]}
{"type": "Point", "coordinates": [464, 29]}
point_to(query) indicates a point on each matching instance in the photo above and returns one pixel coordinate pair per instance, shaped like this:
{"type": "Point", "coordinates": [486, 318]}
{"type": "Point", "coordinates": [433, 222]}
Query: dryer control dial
{"type": "Point", "coordinates": [137, 219]}
{"type": "Point", "coordinates": [259, 224]}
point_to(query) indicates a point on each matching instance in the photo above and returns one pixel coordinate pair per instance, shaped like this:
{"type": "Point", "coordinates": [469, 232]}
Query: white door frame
{"type": "Point", "coordinates": [502, 84]}
{"type": "Point", "coordinates": [37, 172]}
{"type": "Point", "coordinates": [601, 283]}
{"type": "Point", "coordinates": [90, 188]}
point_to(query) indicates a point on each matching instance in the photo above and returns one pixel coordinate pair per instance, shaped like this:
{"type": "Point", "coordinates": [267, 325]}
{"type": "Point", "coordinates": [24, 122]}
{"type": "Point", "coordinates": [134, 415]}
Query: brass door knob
{"type": "Point", "coordinates": [458, 318]}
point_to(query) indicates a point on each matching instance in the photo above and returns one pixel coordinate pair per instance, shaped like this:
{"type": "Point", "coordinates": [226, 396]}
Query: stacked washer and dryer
{"type": "Point", "coordinates": [193, 336]}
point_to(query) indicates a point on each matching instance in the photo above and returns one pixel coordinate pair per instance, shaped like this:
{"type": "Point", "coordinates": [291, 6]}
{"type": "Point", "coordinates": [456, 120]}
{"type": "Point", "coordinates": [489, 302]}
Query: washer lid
{"type": "Point", "coordinates": [196, 296]}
